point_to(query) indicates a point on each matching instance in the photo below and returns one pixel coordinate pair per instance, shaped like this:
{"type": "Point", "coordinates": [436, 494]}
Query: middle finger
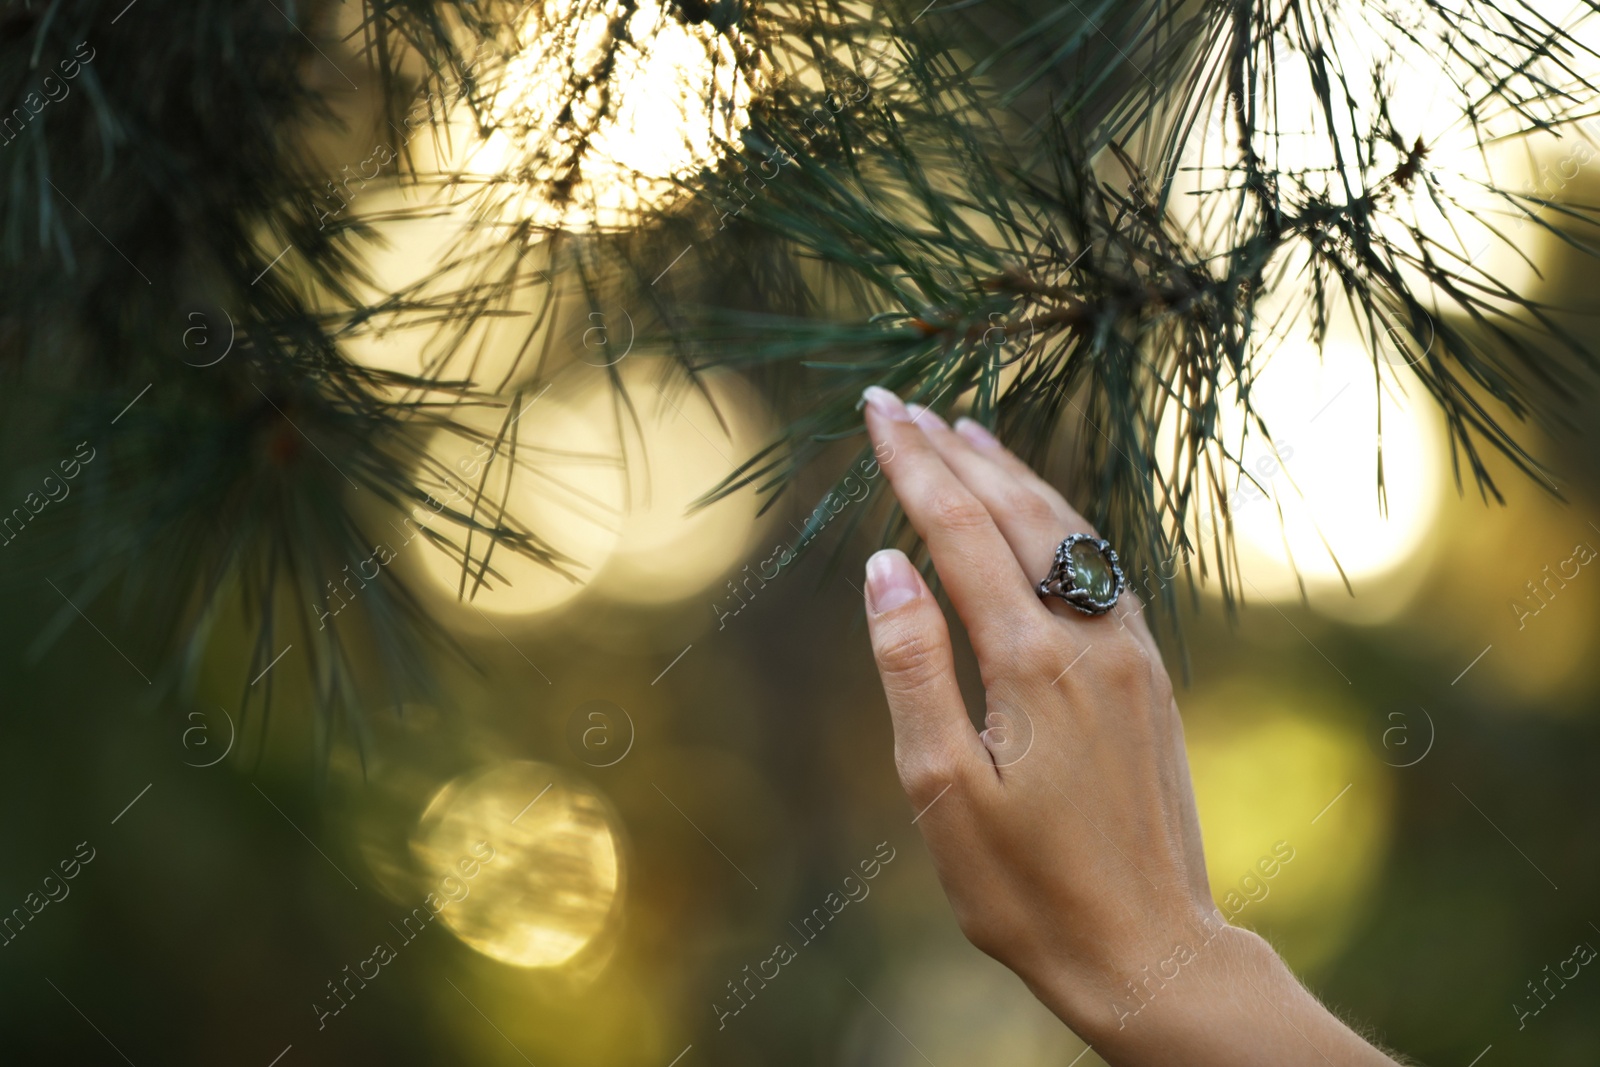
{"type": "Point", "coordinates": [1031, 515]}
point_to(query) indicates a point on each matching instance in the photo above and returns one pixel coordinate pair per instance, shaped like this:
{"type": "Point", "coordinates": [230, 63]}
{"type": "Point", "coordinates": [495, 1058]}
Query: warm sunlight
{"type": "Point", "coordinates": [652, 112]}
{"type": "Point", "coordinates": [1321, 472]}
{"type": "Point", "coordinates": [555, 878]}
{"type": "Point", "coordinates": [557, 474]}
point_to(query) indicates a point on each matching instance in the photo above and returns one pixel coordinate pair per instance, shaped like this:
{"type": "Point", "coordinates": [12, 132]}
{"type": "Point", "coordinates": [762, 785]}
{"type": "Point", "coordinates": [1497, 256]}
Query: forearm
{"type": "Point", "coordinates": [1225, 1002]}
{"type": "Point", "coordinates": [1080, 867]}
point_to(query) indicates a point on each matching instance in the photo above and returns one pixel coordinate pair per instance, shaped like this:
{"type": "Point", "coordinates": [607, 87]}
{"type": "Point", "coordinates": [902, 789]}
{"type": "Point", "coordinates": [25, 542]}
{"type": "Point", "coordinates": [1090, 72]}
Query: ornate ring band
{"type": "Point", "coordinates": [1085, 574]}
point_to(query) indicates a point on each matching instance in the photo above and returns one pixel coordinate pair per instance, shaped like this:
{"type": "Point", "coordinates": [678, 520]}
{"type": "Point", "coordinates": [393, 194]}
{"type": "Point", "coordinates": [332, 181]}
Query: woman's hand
{"type": "Point", "coordinates": [1065, 833]}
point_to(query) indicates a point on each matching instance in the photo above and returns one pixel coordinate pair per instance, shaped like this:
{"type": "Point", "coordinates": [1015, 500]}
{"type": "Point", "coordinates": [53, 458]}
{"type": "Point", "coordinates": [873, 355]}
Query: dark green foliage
{"type": "Point", "coordinates": [970, 203]}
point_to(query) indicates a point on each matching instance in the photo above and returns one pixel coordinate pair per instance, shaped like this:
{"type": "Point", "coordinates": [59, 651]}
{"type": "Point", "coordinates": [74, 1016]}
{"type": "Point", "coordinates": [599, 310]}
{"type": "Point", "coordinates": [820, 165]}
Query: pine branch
{"type": "Point", "coordinates": [1008, 209]}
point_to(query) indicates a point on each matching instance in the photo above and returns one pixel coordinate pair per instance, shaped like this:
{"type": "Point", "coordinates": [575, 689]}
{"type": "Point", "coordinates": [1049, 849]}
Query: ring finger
{"type": "Point", "coordinates": [1031, 516]}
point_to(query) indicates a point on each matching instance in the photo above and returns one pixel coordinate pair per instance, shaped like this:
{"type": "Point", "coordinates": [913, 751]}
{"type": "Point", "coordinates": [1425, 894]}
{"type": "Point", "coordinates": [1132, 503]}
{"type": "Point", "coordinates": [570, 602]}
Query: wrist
{"type": "Point", "coordinates": [1182, 982]}
{"type": "Point", "coordinates": [1216, 996]}
{"type": "Point", "coordinates": [1182, 990]}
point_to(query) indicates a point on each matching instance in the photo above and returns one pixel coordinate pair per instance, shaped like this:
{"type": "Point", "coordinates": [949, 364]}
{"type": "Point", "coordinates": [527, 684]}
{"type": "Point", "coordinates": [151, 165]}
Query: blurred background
{"type": "Point", "coordinates": [635, 786]}
{"type": "Point", "coordinates": [673, 771]}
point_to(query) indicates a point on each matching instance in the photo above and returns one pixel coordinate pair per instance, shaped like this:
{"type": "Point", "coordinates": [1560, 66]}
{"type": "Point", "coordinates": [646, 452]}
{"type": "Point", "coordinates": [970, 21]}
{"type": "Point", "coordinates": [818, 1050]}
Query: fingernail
{"type": "Point", "coordinates": [974, 432]}
{"type": "Point", "coordinates": [891, 581]}
{"type": "Point", "coordinates": [885, 403]}
{"type": "Point", "coordinates": [918, 413]}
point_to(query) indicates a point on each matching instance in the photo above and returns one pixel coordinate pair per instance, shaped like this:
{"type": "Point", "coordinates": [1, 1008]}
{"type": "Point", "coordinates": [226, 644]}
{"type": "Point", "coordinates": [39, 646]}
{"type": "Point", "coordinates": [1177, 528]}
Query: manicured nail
{"type": "Point", "coordinates": [920, 413]}
{"type": "Point", "coordinates": [891, 581]}
{"type": "Point", "coordinates": [974, 432]}
{"type": "Point", "coordinates": [885, 403]}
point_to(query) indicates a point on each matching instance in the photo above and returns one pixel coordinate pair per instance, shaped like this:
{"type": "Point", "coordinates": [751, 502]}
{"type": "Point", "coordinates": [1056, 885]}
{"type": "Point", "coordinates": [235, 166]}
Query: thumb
{"type": "Point", "coordinates": [934, 742]}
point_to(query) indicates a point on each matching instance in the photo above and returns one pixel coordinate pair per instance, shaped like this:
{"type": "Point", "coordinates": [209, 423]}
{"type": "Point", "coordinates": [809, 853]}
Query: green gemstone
{"type": "Point", "coordinates": [1091, 571]}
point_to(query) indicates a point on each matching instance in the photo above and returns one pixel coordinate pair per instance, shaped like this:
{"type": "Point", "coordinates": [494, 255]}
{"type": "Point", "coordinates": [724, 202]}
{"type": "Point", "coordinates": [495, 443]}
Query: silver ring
{"type": "Point", "coordinates": [1084, 567]}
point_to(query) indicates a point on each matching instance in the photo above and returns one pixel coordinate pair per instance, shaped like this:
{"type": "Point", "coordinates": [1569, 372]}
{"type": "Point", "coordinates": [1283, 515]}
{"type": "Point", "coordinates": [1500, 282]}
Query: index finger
{"type": "Point", "coordinates": [994, 598]}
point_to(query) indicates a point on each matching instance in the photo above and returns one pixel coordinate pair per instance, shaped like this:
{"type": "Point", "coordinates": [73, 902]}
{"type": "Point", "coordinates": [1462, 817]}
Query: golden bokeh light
{"type": "Point", "coordinates": [1288, 784]}
{"type": "Point", "coordinates": [612, 495]}
{"type": "Point", "coordinates": [1321, 472]}
{"type": "Point", "coordinates": [553, 885]}
{"type": "Point", "coordinates": [655, 97]}
{"type": "Point", "coordinates": [418, 248]}
{"type": "Point", "coordinates": [1388, 58]}
{"type": "Point", "coordinates": [422, 247]}
{"type": "Point", "coordinates": [687, 440]}
{"type": "Point", "coordinates": [563, 481]}
{"type": "Point", "coordinates": [1324, 411]}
